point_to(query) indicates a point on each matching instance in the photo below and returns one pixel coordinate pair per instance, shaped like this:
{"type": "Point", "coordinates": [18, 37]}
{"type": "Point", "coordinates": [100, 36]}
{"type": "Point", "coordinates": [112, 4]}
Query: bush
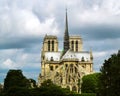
{"type": "Point", "coordinates": [18, 91]}
{"type": "Point", "coordinates": [90, 83]}
{"type": "Point", "coordinates": [88, 94]}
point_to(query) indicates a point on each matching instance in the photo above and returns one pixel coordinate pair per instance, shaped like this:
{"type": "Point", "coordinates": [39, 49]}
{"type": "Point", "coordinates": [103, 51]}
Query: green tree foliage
{"type": "Point", "coordinates": [90, 83]}
{"type": "Point", "coordinates": [110, 76]}
{"type": "Point", "coordinates": [18, 85]}
{"type": "Point", "coordinates": [47, 83]}
{"type": "Point", "coordinates": [15, 78]}
{"type": "Point", "coordinates": [32, 83]}
{"type": "Point", "coordinates": [18, 91]}
{"type": "Point", "coordinates": [51, 89]}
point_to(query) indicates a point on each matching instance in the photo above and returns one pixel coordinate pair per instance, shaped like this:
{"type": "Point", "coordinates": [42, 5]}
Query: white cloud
{"type": "Point", "coordinates": [24, 57]}
{"type": "Point", "coordinates": [30, 25]}
{"type": "Point", "coordinates": [49, 27]}
{"type": "Point", "coordinates": [20, 22]}
{"type": "Point", "coordinates": [18, 58]}
{"type": "Point", "coordinates": [99, 54]}
{"type": "Point", "coordinates": [105, 12]}
{"type": "Point", "coordinates": [9, 64]}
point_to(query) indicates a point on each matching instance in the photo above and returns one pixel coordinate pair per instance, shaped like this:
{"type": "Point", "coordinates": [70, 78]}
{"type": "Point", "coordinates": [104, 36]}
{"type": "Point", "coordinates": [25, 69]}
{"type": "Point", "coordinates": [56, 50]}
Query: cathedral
{"type": "Point", "coordinates": [65, 68]}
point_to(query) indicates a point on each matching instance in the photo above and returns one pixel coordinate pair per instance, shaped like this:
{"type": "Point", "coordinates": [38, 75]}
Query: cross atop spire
{"type": "Point", "coordinates": [66, 35]}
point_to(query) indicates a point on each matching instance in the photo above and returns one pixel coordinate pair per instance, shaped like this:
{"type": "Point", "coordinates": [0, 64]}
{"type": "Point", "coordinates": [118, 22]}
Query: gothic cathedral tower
{"type": "Point", "coordinates": [65, 68]}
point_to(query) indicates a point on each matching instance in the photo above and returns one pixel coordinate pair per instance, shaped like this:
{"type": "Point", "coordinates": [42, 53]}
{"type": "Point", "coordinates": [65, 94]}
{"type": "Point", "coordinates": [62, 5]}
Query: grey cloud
{"type": "Point", "coordinates": [103, 45]}
{"type": "Point", "coordinates": [100, 32]}
{"type": "Point", "coordinates": [19, 42]}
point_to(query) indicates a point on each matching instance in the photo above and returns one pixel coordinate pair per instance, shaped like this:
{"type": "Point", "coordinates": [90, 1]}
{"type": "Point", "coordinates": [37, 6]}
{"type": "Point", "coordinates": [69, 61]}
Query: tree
{"type": "Point", "coordinates": [18, 91]}
{"type": "Point", "coordinates": [48, 88]}
{"type": "Point", "coordinates": [32, 83]}
{"type": "Point", "coordinates": [47, 83]}
{"type": "Point", "coordinates": [90, 83]}
{"type": "Point", "coordinates": [110, 76]}
{"type": "Point", "coordinates": [1, 88]}
{"type": "Point", "coordinates": [15, 78]}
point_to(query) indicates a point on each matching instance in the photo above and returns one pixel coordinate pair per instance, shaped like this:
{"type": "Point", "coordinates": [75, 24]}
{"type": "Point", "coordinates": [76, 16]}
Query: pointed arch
{"type": "Point", "coordinates": [48, 45]}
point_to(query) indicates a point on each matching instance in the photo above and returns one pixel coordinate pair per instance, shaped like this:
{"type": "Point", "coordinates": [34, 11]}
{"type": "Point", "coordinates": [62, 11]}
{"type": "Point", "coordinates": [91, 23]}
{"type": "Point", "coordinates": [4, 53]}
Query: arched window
{"type": "Point", "coordinates": [61, 79]}
{"type": "Point", "coordinates": [48, 45]}
{"type": "Point", "coordinates": [71, 68]}
{"type": "Point", "coordinates": [69, 79]}
{"type": "Point", "coordinates": [51, 59]}
{"type": "Point", "coordinates": [56, 67]}
{"type": "Point", "coordinates": [51, 68]}
{"type": "Point", "coordinates": [74, 88]}
{"type": "Point", "coordinates": [72, 45]}
{"type": "Point", "coordinates": [66, 65]}
{"type": "Point", "coordinates": [76, 70]}
{"type": "Point", "coordinates": [82, 59]}
{"type": "Point", "coordinates": [68, 87]}
{"type": "Point", "coordinates": [52, 45]}
{"type": "Point", "coordinates": [76, 46]}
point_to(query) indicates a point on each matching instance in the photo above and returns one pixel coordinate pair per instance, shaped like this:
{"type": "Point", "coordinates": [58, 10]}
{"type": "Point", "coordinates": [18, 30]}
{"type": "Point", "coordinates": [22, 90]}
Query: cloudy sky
{"type": "Point", "coordinates": [24, 23]}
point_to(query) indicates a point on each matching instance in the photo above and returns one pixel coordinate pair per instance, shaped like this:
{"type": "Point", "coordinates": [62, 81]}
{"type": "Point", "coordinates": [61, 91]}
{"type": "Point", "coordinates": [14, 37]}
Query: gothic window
{"type": "Point", "coordinates": [66, 65]}
{"type": "Point", "coordinates": [74, 88]}
{"type": "Point", "coordinates": [82, 59]}
{"type": "Point", "coordinates": [76, 70]}
{"type": "Point", "coordinates": [51, 59]}
{"type": "Point", "coordinates": [56, 67]}
{"type": "Point", "coordinates": [52, 45]}
{"type": "Point", "coordinates": [48, 45]}
{"type": "Point", "coordinates": [43, 57]}
{"type": "Point", "coordinates": [71, 65]}
{"type": "Point", "coordinates": [61, 79]}
{"type": "Point", "coordinates": [72, 45]}
{"type": "Point", "coordinates": [51, 68]}
{"type": "Point", "coordinates": [76, 46]}
{"type": "Point", "coordinates": [69, 79]}
{"type": "Point", "coordinates": [71, 68]}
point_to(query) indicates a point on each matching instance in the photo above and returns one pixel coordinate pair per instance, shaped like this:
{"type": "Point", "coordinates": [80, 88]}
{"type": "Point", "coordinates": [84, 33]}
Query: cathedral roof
{"type": "Point", "coordinates": [77, 55]}
{"type": "Point", "coordinates": [52, 55]}
{"type": "Point", "coordinates": [50, 36]}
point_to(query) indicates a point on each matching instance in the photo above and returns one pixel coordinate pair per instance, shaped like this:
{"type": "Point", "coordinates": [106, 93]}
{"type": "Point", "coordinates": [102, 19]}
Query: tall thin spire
{"type": "Point", "coordinates": [66, 24]}
{"type": "Point", "coordinates": [66, 35]}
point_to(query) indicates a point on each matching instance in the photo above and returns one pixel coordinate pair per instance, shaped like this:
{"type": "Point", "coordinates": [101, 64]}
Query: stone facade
{"type": "Point", "coordinates": [65, 68]}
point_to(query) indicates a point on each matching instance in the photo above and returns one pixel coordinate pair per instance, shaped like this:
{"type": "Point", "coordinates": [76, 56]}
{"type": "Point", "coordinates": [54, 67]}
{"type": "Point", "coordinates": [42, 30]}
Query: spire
{"type": "Point", "coordinates": [66, 35]}
{"type": "Point", "coordinates": [66, 25]}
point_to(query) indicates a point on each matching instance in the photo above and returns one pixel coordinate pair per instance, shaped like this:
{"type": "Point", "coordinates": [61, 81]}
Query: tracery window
{"type": "Point", "coordinates": [51, 68]}
{"type": "Point", "coordinates": [52, 45]}
{"type": "Point", "coordinates": [48, 45]}
{"type": "Point", "coordinates": [72, 45]}
{"type": "Point", "coordinates": [82, 59]}
{"type": "Point", "coordinates": [51, 59]}
{"type": "Point", "coordinates": [76, 46]}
